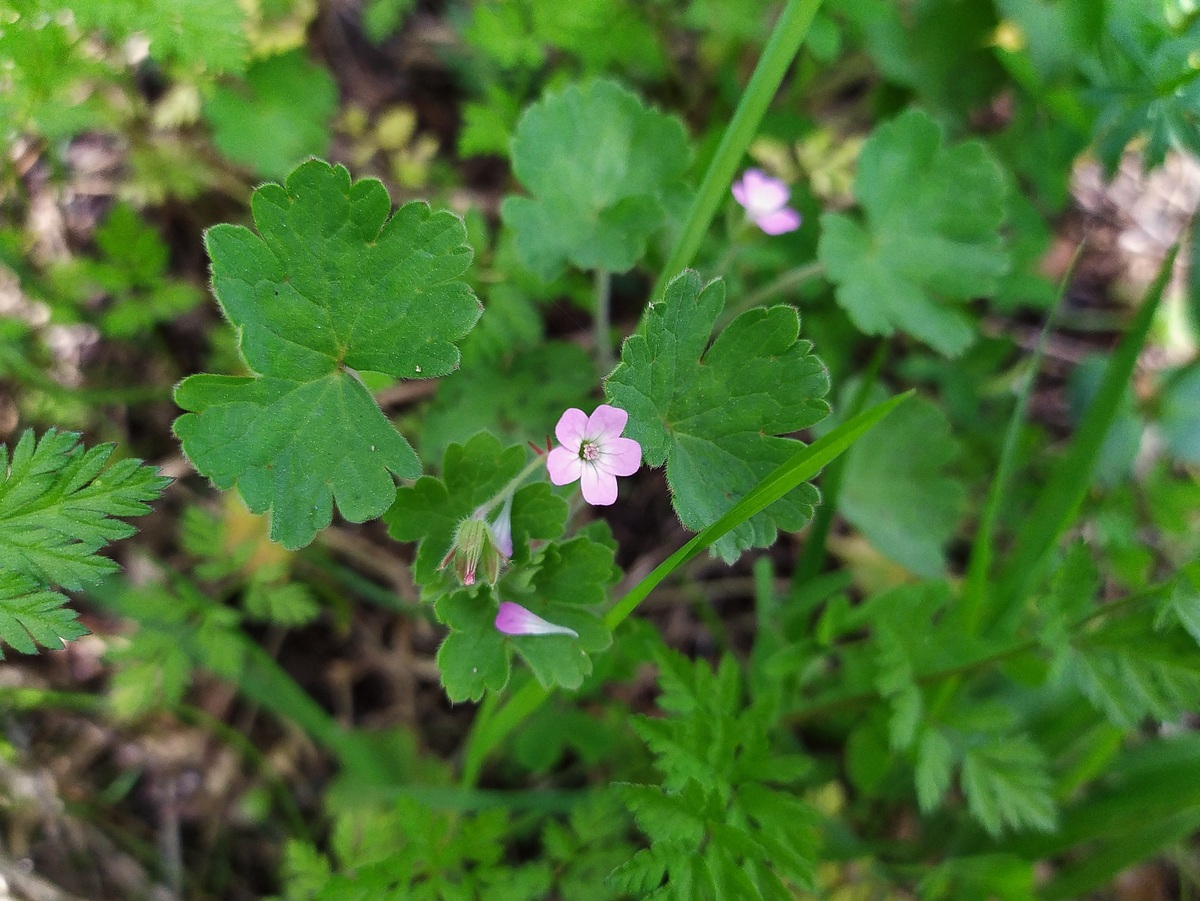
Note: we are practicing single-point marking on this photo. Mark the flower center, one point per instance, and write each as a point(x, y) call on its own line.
point(589, 451)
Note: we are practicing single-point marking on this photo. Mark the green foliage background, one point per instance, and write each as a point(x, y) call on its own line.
point(935, 632)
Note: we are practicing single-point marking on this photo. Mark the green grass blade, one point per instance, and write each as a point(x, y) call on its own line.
point(803, 466)
point(975, 589)
point(777, 56)
point(1060, 499)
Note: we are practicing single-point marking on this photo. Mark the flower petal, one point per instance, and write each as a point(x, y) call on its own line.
point(599, 487)
point(513, 619)
point(502, 529)
point(763, 193)
point(571, 428)
point(779, 222)
point(563, 465)
point(621, 456)
point(606, 423)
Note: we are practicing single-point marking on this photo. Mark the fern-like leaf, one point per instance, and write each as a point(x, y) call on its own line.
point(31, 615)
point(59, 506)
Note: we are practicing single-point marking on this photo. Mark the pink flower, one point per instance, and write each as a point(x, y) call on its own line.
point(764, 199)
point(513, 619)
point(594, 452)
point(502, 529)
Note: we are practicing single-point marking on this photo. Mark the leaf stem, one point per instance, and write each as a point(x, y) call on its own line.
point(792, 278)
point(601, 320)
point(511, 488)
point(777, 56)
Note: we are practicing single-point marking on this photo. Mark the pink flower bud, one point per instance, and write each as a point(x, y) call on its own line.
point(513, 619)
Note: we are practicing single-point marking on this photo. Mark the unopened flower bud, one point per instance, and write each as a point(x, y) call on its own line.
point(474, 549)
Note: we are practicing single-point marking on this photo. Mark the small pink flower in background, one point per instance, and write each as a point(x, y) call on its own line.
point(594, 452)
point(513, 619)
point(765, 201)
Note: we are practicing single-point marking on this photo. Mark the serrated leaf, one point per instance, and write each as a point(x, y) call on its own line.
point(472, 659)
point(277, 116)
point(472, 474)
point(1071, 594)
point(1130, 670)
point(714, 415)
point(566, 578)
point(895, 681)
point(1183, 603)
point(32, 616)
point(1008, 786)
point(598, 164)
point(930, 239)
point(1146, 83)
point(151, 673)
point(59, 506)
point(330, 285)
point(286, 604)
point(936, 757)
point(896, 490)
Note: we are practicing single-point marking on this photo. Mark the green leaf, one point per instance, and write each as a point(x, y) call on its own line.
point(472, 659)
point(59, 506)
point(598, 164)
point(603, 34)
point(488, 125)
point(567, 578)
point(1145, 82)
point(132, 272)
point(1182, 604)
point(383, 17)
point(717, 817)
point(1129, 670)
point(930, 239)
point(896, 490)
point(150, 673)
point(31, 615)
point(1179, 413)
point(896, 683)
point(277, 116)
point(713, 415)
point(200, 34)
point(936, 757)
point(286, 604)
point(519, 398)
point(332, 286)
point(1008, 786)
point(1071, 595)
point(472, 474)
